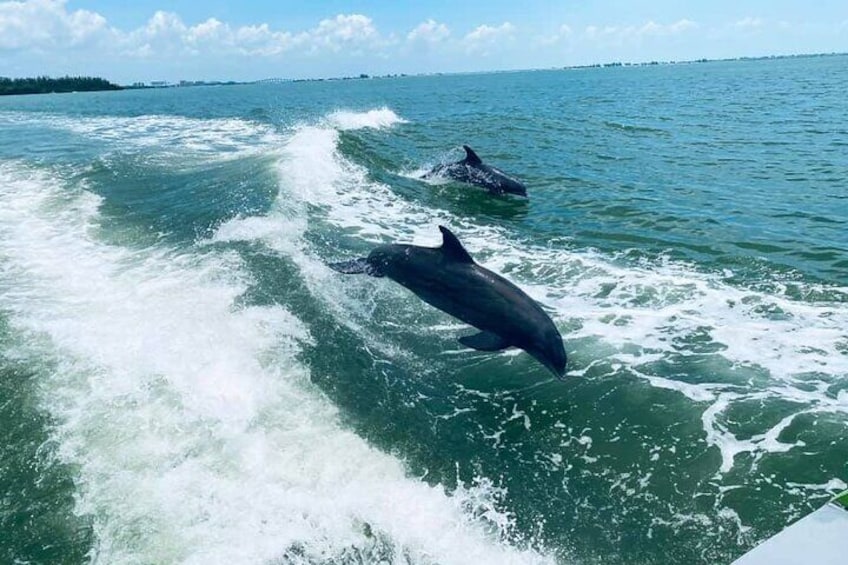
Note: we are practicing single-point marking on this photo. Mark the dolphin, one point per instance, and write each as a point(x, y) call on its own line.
point(448, 278)
point(473, 171)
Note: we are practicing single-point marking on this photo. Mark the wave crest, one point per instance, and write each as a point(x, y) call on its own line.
point(381, 118)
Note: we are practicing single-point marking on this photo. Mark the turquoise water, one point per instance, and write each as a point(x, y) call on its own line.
point(183, 380)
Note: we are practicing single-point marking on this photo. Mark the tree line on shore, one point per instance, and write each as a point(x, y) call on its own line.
point(40, 85)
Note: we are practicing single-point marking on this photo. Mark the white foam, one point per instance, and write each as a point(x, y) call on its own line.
point(730, 446)
point(833, 486)
point(197, 435)
point(173, 138)
point(314, 173)
point(637, 314)
point(379, 118)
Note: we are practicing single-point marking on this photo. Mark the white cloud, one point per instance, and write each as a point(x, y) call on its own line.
point(211, 30)
point(343, 32)
point(47, 24)
point(563, 33)
point(748, 23)
point(216, 36)
point(45, 28)
point(260, 40)
point(166, 34)
point(485, 36)
point(165, 24)
point(487, 33)
point(619, 35)
point(85, 24)
point(680, 26)
point(429, 31)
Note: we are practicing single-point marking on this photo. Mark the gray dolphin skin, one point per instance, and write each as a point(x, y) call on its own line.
point(472, 170)
point(448, 278)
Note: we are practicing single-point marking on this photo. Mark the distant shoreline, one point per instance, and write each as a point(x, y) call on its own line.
point(47, 85)
point(703, 60)
point(563, 68)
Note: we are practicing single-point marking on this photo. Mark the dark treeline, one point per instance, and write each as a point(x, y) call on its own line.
point(40, 85)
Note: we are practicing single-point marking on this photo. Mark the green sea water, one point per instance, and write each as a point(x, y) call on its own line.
point(183, 380)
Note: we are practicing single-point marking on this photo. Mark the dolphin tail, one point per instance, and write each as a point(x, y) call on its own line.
point(355, 267)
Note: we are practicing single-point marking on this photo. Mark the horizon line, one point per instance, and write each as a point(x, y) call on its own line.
point(607, 64)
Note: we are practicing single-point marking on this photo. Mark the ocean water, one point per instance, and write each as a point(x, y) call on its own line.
point(183, 380)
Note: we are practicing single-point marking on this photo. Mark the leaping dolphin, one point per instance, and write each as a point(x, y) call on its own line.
point(448, 278)
point(473, 171)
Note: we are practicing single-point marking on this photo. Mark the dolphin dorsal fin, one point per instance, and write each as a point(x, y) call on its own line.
point(471, 157)
point(452, 248)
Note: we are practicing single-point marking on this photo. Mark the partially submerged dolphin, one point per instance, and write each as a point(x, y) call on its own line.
point(473, 171)
point(449, 279)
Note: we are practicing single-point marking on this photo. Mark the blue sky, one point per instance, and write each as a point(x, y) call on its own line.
point(145, 40)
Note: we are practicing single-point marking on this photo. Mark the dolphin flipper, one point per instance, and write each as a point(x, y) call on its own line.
point(355, 267)
point(484, 341)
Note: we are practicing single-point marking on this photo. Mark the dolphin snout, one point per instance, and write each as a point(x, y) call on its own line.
point(558, 369)
point(552, 355)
